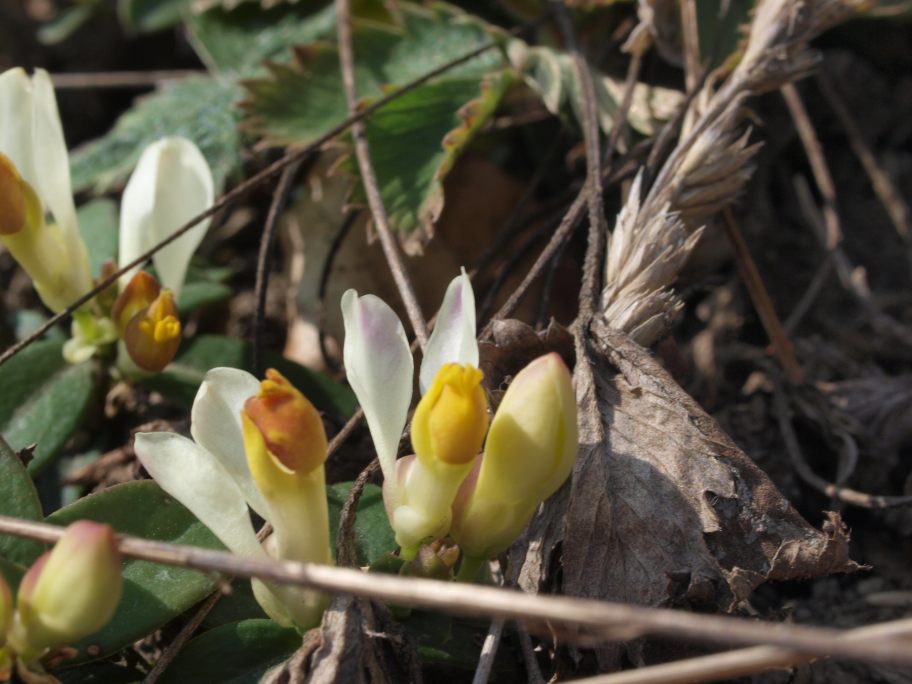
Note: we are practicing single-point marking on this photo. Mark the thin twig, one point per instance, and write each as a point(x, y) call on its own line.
point(741, 662)
point(814, 288)
point(605, 620)
point(598, 226)
point(488, 652)
point(187, 631)
point(620, 119)
point(345, 542)
point(806, 473)
point(120, 79)
point(886, 191)
point(369, 178)
point(564, 231)
point(267, 244)
point(260, 177)
point(814, 151)
point(533, 673)
point(761, 299)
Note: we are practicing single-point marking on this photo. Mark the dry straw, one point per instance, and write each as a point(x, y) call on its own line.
point(653, 237)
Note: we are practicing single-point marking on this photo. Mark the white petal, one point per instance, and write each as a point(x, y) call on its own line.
point(453, 339)
point(52, 162)
point(16, 121)
point(191, 475)
point(380, 369)
point(172, 183)
point(215, 423)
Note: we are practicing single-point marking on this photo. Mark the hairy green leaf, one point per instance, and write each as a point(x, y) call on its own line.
point(43, 399)
point(99, 224)
point(236, 653)
point(18, 499)
point(373, 534)
point(199, 109)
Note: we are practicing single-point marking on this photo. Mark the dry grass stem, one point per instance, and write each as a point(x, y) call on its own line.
point(597, 620)
point(655, 234)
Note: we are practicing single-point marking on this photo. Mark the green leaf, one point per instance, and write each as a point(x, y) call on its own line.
point(180, 380)
point(18, 499)
point(416, 138)
point(299, 102)
point(199, 109)
point(68, 21)
point(151, 15)
point(99, 224)
point(239, 40)
point(237, 653)
point(237, 605)
point(101, 672)
point(12, 573)
point(373, 535)
point(201, 293)
point(43, 399)
point(153, 594)
point(27, 321)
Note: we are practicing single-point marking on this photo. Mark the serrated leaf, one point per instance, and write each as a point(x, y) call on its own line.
point(300, 101)
point(373, 535)
point(239, 40)
point(43, 399)
point(199, 109)
point(416, 138)
point(180, 380)
point(237, 653)
point(99, 223)
point(153, 594)
point(18, 499)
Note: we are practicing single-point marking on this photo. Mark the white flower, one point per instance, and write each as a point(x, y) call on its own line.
point(209, 474)
point(380, 369)
point(31, 137)
point(171, 184)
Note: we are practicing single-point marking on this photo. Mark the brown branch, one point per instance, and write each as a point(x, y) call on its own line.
point(598, 226)
point(170, 653)
point(806, 473)
point(267, 243)
point(782, 346)
point(886, 191)
point(259, 178)
point(741, 662)
point(369, 178)
point(603, 619)
point(120, 79)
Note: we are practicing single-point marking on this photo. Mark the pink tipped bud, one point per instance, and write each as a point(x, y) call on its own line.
point(71, 591)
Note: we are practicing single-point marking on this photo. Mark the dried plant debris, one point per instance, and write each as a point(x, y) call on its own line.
point(653, 236)
point(664, 509)
point(880, 406)
point(515, 344)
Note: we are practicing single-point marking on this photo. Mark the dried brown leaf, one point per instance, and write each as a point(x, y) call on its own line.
point(663, 508)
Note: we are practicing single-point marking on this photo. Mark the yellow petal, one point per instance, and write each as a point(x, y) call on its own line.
point(152, 336)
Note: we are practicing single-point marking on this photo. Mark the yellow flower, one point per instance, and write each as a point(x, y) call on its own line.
point(448, 429)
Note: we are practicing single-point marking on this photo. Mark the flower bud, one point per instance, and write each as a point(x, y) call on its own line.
point(529, 453)
point(140, 292)
point(451, 419)
point(71, 591)
point(152, 336)
point(283, 426)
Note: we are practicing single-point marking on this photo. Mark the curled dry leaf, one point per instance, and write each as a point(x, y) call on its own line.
point(663, 508)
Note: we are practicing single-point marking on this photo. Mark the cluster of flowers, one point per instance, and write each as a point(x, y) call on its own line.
point(67, 594)
point(38, 225)
point(262, 446)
